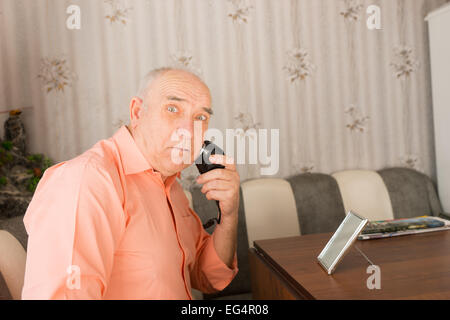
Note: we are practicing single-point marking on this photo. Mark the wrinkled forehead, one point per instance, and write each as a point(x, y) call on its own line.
point(182, 85)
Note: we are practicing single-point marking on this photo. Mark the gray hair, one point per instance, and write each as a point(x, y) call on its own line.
point(147, 80)
point(153, 75)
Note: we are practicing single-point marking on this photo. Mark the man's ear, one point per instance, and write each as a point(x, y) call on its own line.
point(136, 109)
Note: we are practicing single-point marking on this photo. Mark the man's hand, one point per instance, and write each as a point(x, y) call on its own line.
point(222, 185)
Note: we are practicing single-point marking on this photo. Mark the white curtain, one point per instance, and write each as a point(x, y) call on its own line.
point(342, 96)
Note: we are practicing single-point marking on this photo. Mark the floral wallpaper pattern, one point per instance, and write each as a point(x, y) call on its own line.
point(245, 122)
point(298, 65)
point(358, 122)
point(55, 74)
point(405, 64)
point(184, 60)
point(240, 12)
point(342, 96)
point(118, 12)
point(352, 10)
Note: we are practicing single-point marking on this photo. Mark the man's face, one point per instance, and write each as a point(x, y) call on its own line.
point(175, 101)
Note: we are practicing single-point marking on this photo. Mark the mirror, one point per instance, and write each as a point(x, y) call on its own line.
point(341, 241)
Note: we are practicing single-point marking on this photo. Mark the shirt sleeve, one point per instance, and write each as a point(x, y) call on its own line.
point(210, 273)
point(74, 222)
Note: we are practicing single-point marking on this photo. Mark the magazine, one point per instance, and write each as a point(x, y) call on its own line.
point(400, 227)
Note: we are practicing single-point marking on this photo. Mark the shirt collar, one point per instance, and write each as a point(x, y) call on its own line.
point(133, 160)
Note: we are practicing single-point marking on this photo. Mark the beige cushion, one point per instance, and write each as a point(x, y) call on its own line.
point(270, 210)
point(12, 263)
point(365, 193)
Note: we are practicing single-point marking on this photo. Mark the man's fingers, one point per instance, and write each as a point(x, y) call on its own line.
point(216, 185)
point(222, 174)
point(219, 195)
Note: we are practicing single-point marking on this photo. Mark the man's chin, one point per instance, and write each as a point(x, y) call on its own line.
point(181, 158)
point(175, 168)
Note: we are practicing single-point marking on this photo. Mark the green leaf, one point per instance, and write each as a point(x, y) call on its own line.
point(32, 184)
point(7, 145)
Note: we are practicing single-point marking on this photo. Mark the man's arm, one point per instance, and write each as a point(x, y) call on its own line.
point(223, 185)
point(216, 260)
point(74, 223)
point(225, 235)
point(210, 273)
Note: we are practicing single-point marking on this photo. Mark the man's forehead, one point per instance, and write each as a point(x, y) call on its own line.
point(181, 89)
point(180, 79)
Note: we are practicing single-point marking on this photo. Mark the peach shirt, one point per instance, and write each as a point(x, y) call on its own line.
point(104, 225)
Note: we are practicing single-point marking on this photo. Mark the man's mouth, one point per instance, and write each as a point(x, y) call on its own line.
point(181, 149)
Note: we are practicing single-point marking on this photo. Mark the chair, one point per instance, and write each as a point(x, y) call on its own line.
point(319, 202)
point(412, 193)
point(365, 193)
point(270, 210)
point(12, 263)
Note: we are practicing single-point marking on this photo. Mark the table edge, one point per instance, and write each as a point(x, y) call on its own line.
point(294, 285)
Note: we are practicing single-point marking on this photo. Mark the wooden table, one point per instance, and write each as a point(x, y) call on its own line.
point(412, 267)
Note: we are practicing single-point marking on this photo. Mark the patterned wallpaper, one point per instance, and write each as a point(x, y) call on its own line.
point(343, 96)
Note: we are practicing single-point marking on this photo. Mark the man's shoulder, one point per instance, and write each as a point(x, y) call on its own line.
point(100, 160)
point(90, 177)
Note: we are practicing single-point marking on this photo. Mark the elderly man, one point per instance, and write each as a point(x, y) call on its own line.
point(113, 223)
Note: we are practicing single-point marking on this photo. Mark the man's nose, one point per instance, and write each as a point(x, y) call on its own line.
point(185, 130)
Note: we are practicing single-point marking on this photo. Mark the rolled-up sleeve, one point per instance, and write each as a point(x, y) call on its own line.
point(74, 223)
point(210, 273)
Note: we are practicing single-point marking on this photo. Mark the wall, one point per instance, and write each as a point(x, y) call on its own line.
point(343, 96)
point(440, 69)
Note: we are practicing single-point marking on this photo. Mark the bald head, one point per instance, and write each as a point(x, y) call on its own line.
point(172, 74)
point(169, 104)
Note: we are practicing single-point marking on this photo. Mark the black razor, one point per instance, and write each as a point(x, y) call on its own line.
point(204, 165)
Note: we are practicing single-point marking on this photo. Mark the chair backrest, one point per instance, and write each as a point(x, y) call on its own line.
point(412, 193)
point(12, 263)
point(270, 209)
point(365, 193)
point(319, 202)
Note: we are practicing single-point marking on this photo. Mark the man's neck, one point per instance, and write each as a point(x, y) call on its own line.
point(164, 178)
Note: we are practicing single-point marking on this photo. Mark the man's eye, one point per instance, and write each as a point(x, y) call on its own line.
point(172, 109)
point(202, 117)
